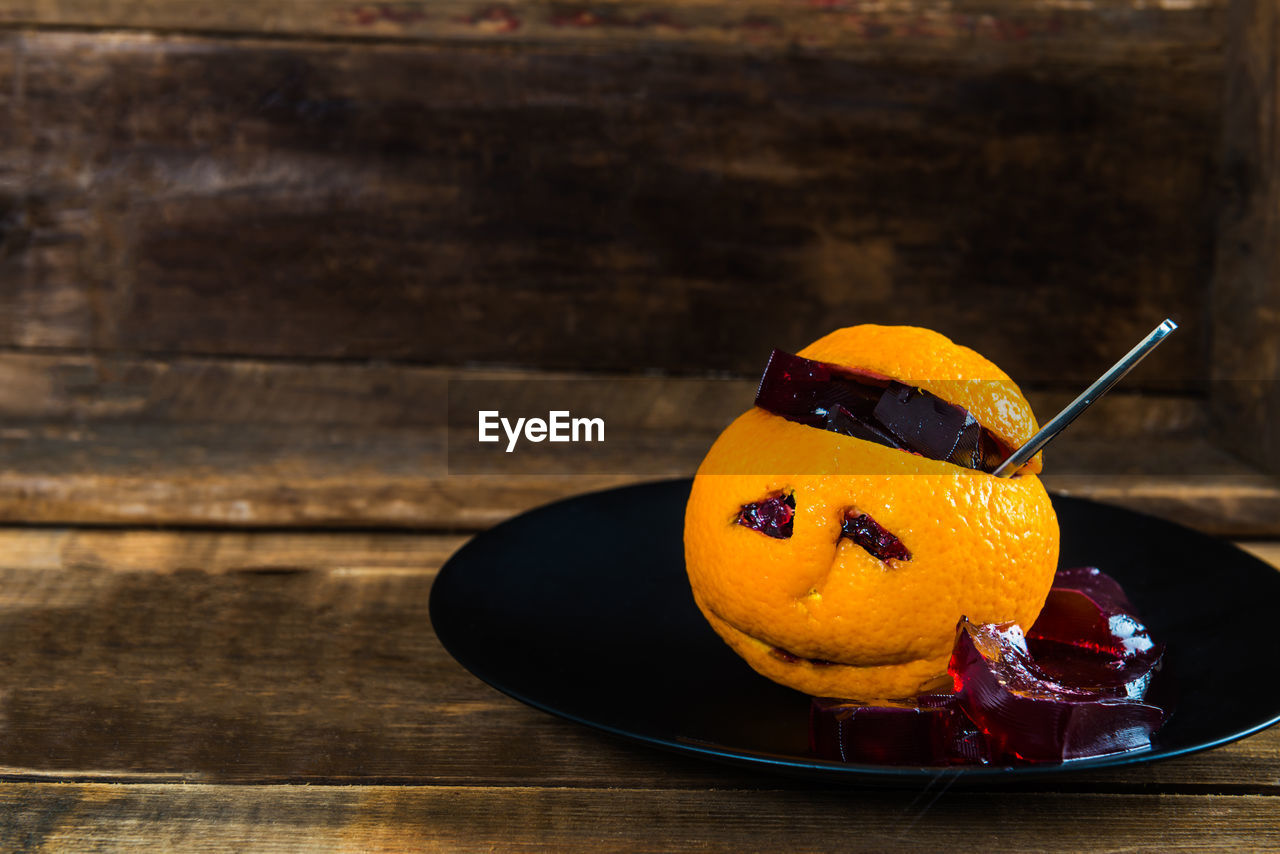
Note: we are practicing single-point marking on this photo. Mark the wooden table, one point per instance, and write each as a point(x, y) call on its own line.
point(284, 691)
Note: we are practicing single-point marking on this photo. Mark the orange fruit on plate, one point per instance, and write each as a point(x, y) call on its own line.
point(825, 613)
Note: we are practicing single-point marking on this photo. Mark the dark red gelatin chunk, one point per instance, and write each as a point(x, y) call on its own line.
point(929, 730)
point(1088, 608)
point(1071, 689)
point(772, 516)
point(1028, 715)
point(869, 534)
point(1088, 634)
point(823, 396)
point(933, 428)
point(877, 409)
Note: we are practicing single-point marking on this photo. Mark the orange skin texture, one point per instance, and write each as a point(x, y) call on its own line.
point(981, 546)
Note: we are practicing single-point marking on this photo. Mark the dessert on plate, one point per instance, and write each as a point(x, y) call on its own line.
point(847, 538)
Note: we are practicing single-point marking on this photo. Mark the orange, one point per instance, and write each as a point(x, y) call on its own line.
point(818, 612)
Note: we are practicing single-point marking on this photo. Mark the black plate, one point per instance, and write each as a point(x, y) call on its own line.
point(581, 608)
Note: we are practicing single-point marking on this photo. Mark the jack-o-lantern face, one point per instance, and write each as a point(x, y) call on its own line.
point(840, 565)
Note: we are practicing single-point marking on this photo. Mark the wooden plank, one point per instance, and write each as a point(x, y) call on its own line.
point(251, 657)
point(1054, 28)
point(257, 657)
point(94, 388)
point(1246, 284)
point(452, 204)
point(363, 818)
point(1227, 505)
point(346, 554)
point(135, 441)
point(212, 479)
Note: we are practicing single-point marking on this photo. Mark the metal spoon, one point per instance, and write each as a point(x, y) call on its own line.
point(1100, 387)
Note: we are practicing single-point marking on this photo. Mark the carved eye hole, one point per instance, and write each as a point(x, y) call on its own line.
point(869, 534)
point(771, 516)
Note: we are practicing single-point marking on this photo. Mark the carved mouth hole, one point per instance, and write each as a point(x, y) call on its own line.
point(791, 658)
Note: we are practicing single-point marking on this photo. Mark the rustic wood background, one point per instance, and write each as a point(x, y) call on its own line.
point(246, 248)
point(243, 250)
point(174, 690)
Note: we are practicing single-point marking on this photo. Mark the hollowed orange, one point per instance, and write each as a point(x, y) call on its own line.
point(816, 611)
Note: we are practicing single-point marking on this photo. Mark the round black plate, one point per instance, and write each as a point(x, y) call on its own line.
point(581, 608)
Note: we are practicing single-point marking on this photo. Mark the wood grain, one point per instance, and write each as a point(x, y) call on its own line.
point(1114, 27)
point(610, 210)
point(96, 388)
point(1246, 344)
point(376, 819)
point(188, 441)
point(258, 657)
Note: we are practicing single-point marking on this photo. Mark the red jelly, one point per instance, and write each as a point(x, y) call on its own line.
point(1088, 634)
point(930, 730)
point(877, 409)
point(1027, 715)
point(1087, 608)
point(772, 516)
point(869, 534)
point(1073, 688)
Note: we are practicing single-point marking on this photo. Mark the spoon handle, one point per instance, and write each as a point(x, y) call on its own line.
point(1086, 399)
